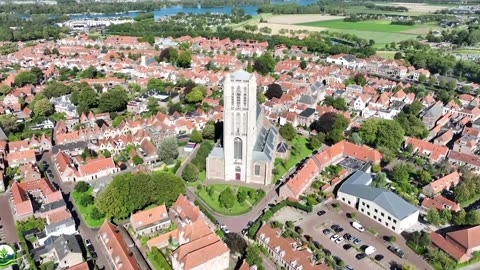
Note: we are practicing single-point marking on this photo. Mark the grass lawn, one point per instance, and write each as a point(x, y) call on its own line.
point(158, 260)
point(85, 211)
point(466, 51)
point(468, 202)
point(201, 178)
point(386, 54)
point(237, 209)
point(373, 26)
point(299, 151)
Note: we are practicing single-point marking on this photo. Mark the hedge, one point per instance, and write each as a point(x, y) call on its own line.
point(206, 212)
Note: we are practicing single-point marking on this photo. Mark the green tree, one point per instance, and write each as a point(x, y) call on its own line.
point(401, 173)
point(168, 150)
point(472, 217)
point(184, 59)
point(227, 198)
point(195, 96)
point(56, 89)
point(113, 101)
point(264, 64)
point(261, 98)
point(424, 177)
point(81, 187)
point(433, 217)
point(9, 123)
point(253, 256)
point(288, 132)
point(85, 200)
point(242, 196)
point(274, 90)
point(43, 107)
point(129, 192)
point(25, 77)
point(196, 136)
point(303, 64)
point(137, 160)
point(96, 214)
point(152, 105)
point(380, 180)
point(190, 173)
point(422, 78)
point(208, 132)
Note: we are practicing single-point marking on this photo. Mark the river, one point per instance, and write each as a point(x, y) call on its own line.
point(250, 10)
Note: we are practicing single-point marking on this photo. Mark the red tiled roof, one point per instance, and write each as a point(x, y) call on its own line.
point(450, 248)
point(473, 160)
point(117, 248)
point(148, 217)
point(436, 152)
point(439, 202)
point(445, 182)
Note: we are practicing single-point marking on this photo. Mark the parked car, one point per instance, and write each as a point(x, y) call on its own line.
point(321, 213)
point(358, 226)
point(379, 257)
point(370, 250)
point(397, 251)
point(360, 256)
point(339, 240)
point(327, 231)
point(334, 237)
point(347, 236)
point(357, 241)
point(88, 242)
point(347, 246)
point(348, 267)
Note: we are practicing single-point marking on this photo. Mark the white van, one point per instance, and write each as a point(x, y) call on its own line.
point(358, 226)
point(370, 250)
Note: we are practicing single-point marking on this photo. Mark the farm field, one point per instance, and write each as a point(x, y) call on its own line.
point(373, 26)
point(379, 30)
point(301, 18)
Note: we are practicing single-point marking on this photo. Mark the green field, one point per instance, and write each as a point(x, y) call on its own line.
point(158, 260)
point(381, 31)
point(372, 26)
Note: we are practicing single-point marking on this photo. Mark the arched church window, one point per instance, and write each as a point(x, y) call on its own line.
point(239, 94)
point(237, 148)
point(245, 96)
point(238, 122)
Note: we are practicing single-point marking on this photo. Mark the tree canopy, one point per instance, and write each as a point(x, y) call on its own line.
point(274, 90)
point(264, 64)
point(382, 133)
point(288, 132)
point(115, 100)
point(168, 150)
point(128, 193)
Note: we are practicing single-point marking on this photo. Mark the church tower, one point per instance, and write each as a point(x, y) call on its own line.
point(239, 125)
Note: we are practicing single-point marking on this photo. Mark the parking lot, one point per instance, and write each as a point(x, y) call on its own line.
point(313, 225)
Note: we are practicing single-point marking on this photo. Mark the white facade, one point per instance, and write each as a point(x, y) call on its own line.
point(240, 124)
point(378, 213)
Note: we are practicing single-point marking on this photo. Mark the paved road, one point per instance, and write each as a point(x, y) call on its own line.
point(7, 220)
point(85, 231)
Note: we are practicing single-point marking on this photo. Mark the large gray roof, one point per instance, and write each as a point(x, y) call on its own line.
point(241, 75)
point(358, 185)
point(66, 244)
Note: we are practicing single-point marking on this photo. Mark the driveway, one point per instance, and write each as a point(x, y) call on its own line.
point(85, 231)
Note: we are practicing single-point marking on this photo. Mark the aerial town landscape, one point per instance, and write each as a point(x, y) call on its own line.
point(240, 135)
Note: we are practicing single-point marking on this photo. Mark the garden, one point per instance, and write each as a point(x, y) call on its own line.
point(84, 201)
point(230, 200)
point(158, 260)
point(299, 151)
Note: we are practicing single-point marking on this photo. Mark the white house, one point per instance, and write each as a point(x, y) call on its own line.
point(383, 206)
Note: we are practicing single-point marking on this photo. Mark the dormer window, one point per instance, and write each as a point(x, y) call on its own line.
point(262, 236)
point(277, 249)
point(293, 263)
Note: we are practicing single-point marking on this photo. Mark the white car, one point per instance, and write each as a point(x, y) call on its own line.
point(334, 237)
point(339, 240)
point(358, 226)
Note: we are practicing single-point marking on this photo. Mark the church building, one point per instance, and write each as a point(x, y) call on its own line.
point(247, 153)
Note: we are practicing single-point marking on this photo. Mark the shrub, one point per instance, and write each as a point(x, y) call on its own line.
point(81, 187)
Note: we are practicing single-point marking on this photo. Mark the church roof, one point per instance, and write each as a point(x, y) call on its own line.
point(241, 75)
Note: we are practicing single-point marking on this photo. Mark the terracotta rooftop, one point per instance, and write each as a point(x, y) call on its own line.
point(439, 202)
point(117, 248)
point(436, 152)
point(149, 217)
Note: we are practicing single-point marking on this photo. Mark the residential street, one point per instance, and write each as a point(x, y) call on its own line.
point(7, 220)
point(85, 231)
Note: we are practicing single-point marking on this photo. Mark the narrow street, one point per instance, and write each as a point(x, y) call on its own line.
point(85, 231)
